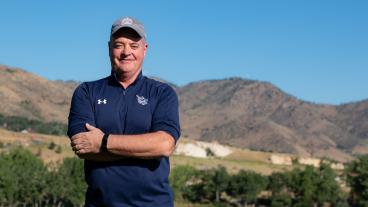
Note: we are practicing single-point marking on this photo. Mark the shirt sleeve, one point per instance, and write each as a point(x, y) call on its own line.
point(81, 111)
point(166, 114)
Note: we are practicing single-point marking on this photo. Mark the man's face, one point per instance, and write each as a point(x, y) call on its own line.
point(127, 51)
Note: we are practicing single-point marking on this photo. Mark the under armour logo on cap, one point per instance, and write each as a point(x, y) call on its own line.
point(126, 20)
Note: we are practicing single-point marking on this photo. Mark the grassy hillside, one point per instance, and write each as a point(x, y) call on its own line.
point(55, 148)
point(47, 147)
point(51, 148)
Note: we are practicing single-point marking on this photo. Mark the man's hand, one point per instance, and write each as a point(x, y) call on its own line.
point(87, 142)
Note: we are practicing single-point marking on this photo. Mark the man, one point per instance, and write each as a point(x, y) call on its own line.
point(125, 126)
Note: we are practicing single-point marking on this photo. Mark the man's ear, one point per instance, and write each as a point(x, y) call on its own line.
point(108, 46)
point(145, 49)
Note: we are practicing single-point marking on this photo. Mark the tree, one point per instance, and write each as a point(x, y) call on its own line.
point(66, 183)
point(207, 185)
point(303, 185)
point(220, 179)
point(315, 187)
point(180, 178)
point(58, 149)
point(26, 181)
point(279, 185)
point(357, 177)
point(21, 178)
point(328, 190)
point(245, 186)
point(16, 123)
point(51, 146)
point(280, 200)
point(209, 152)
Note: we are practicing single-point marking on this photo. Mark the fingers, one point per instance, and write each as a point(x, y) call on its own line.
point(86, 142)
point(76, 145)
point(75, 142)
point(77, 136)
point(72, 145)
point(79, 149)
point(90, 127)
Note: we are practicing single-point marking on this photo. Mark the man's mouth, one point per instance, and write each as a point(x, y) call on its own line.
point(125, 60)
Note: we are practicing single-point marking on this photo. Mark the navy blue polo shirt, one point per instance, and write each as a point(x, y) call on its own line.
point(145, 106)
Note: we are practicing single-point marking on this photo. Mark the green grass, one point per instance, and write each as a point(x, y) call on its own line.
point(180, 204)
point(232, 165)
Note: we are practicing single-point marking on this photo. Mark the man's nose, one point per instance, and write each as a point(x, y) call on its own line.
point(126, 51)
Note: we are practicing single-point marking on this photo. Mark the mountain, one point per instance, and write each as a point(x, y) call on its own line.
point(28, 95)
point(237, 112)
point(258, 115)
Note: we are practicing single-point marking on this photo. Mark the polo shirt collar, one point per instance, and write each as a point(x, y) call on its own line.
point(114, 81)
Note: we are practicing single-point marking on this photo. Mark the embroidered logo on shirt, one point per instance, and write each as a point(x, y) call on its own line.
point(104, 101)
point(141, 100)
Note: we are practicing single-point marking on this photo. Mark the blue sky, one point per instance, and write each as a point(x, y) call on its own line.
point(315, 50)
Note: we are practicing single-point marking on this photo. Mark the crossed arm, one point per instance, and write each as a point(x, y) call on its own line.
point(145, 146)
point(156, 144)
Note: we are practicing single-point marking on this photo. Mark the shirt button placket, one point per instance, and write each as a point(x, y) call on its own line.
point(124, 109)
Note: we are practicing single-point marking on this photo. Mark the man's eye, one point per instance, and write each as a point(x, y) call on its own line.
point(118, 46)
point(134, 46)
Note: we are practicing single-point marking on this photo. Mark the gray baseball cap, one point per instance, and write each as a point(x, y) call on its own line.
point(128, 22)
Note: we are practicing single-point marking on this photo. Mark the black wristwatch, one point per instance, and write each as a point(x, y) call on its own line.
point(103, 147)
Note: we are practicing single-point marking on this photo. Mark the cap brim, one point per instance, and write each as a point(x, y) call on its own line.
point(136, 29)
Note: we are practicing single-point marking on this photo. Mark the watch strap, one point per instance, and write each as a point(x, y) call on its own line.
point(103, 147)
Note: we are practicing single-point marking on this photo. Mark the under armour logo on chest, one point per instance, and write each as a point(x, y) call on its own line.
point(99, 101)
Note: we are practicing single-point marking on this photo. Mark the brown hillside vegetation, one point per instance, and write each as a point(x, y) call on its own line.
point(237, 112)
point(27, 95)
point(39, 144)
point(260, 116)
